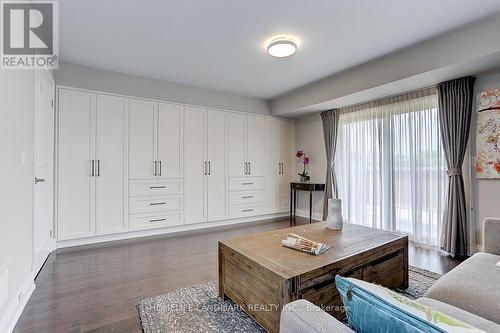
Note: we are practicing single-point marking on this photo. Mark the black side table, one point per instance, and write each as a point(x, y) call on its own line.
point(294, 187)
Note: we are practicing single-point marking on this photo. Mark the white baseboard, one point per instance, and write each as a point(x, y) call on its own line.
point(9, 318)
point(305, 213)
point(164, 231)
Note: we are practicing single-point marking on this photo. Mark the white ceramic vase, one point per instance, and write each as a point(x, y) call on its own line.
point(334, 219)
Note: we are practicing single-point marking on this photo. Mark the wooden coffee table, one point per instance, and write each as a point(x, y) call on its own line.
point(261, 276)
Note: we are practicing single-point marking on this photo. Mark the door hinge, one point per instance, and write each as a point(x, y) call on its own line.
point(51, 234)
point(52, 103)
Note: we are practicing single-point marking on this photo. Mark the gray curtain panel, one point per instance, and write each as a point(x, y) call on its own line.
point(330, 120)
point(455, 114)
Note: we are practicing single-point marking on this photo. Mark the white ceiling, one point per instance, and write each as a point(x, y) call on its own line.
point(220, 44)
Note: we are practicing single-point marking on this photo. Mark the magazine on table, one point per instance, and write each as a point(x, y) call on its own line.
point(300, 243)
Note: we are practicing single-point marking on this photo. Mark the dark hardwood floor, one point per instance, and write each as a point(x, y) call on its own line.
point(95, 288)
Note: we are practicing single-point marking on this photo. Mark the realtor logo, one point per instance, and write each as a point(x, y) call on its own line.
point(29, 34)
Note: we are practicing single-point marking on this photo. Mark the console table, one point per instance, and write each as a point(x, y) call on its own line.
point(310, 187)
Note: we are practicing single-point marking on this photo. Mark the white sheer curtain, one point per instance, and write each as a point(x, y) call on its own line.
point(390, 166)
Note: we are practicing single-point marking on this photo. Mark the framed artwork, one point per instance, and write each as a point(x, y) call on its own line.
point(488, 134)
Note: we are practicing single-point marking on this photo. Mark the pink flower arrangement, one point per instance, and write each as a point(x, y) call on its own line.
point(305, 161)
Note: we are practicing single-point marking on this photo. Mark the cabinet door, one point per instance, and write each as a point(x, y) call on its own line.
point(236, 135)
point(255, 145)
point(111, 154)
point(272, 158)
point(194, 165)
point(216, 156)
point(76, 186)
point(286, 157)
point(170, 140)
point(142, 139)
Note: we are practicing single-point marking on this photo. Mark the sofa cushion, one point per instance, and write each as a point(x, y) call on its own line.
point(304, 317)
point(473, 286)
point(466, 317)
point(372, 308)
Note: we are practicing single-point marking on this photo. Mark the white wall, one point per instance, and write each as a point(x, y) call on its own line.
point(309, 136)
point(16, 194)
point(485, 192)
point(85, 77)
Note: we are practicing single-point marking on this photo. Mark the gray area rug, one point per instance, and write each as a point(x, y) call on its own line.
point(199, 309)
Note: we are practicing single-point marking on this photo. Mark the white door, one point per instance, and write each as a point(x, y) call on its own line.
point(43, 203)
point(76, 186)
point(272, 167)
point(286, 156)
point(236, 129)
point(195, 166)
point(142, 149)
point(255, 145)
point(170, 136)
point(216, 157)
point(111, 164)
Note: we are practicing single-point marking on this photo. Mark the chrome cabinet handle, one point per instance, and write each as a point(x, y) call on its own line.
point(91, 168)
point(248, 183)
point(154, 187)
point(157, 220)
point(247, 210)
point(98, 168)
point(205, 168)
point(159, 168)
point(249, 168)
point(39, 180)
point(245, 172)
point(154, 172)
point(247, 196)
point(209, 169)
point(157, 203)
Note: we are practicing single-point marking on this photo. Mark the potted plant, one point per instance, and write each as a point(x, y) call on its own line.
point(304, 177)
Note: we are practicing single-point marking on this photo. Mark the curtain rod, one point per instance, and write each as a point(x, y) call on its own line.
point(385, 98)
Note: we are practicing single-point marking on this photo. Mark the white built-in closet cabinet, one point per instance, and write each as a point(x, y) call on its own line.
point(126, 164)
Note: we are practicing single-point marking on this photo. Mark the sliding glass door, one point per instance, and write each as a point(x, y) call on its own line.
point(390, 166)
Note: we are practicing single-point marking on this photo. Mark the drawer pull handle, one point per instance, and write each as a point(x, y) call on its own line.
point(247, 197)
point(246, 183)
point(157, 220)
point(247, 210)
point(157, 203)
point(153, 187)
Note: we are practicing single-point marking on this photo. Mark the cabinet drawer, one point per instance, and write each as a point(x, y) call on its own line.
point(243, 197)
point(156, 203)
point(156, 220)
point(245, 210)
point(326, 296)
point(155, 187)
point(387, 271)
point(247, 183)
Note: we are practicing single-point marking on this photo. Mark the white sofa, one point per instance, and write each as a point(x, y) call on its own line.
point(470, 292)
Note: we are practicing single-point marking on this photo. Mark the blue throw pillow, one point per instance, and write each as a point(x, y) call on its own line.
point(371, 308)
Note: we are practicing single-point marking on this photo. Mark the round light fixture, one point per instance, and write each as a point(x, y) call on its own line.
point(281, 47)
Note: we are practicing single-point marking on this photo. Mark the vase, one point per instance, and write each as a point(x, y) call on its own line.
point(334, 219)
point(305, 179)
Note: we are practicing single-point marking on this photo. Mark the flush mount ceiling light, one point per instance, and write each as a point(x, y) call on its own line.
point(281, 47)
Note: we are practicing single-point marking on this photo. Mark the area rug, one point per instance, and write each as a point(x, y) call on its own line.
point(199, 309)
